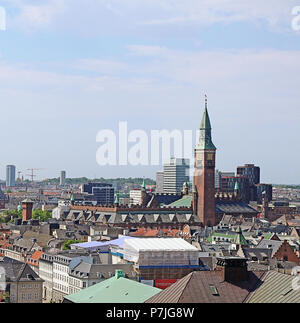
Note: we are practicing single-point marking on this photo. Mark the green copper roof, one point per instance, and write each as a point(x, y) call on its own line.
point(186, 201)
point(144, 185)
point(117, 200)
point(72, 198)
point(268, 236)
point(115, 290)
point(205, 140)
point(221, 235)
point(205, 124)
point(239, 239)
point(236, 186)
point(206, 145)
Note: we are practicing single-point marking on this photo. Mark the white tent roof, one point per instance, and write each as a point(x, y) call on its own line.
point(159, 244)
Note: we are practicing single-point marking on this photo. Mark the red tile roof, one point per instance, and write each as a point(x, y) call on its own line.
point(143, 232)
point(37, 255)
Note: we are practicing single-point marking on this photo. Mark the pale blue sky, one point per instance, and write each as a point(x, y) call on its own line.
point(69, 68)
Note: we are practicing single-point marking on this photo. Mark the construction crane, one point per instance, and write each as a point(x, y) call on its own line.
point(32, 175)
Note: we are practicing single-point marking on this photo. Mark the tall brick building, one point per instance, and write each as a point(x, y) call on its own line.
point(204, 175)
point(27, 206)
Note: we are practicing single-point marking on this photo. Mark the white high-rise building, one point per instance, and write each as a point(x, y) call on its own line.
point(62, 181)
point(159, 183)
point(10, 175)
point(135, 197)
point(176, 173)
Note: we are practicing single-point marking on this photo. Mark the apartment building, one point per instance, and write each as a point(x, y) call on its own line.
point(72, 271)
point(22, 284)
point(46, 273)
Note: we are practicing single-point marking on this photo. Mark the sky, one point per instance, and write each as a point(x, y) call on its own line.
point(71, 68)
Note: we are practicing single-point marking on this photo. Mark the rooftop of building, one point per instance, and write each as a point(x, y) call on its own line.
point(157, 244)
point(18, 271)
point(208, 287)
point(114, 290)
point(286, 290)
point(94, 244)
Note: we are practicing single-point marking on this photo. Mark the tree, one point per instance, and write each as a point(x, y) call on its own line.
point(42, 216)
point(67, 244)
point(8, 214)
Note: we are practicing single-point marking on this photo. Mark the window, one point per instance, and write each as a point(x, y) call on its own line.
point(214, 290)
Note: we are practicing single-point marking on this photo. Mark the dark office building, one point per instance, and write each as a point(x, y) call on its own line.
point(264, 189)
point(102, 193)
point(226, 183)
point(229, 184)
point(253, 173)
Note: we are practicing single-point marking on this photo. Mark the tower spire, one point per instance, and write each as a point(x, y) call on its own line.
point(205, 140)
point(205, 124)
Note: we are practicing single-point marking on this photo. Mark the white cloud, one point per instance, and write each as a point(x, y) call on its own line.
point(266, 78)
point(32, 15)
point(105, 16)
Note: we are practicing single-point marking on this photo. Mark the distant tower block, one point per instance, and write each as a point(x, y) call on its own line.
point(10, 175)
point(62, 178)
point(27, 206)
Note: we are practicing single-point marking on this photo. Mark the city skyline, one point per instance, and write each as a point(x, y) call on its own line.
point(60, 81)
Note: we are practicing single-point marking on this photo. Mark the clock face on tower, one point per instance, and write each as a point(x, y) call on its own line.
point(210, 157)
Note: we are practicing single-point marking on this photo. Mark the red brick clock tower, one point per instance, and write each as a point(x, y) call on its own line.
point(204, 174)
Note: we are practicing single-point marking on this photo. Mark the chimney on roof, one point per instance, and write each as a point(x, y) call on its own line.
point(234, 269)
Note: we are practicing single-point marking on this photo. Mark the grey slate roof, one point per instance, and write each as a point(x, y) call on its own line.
point(18, 271)
point(259, 253)
point(94, 271)
point(276, 288)
point(274, 245)
point(233, 207)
